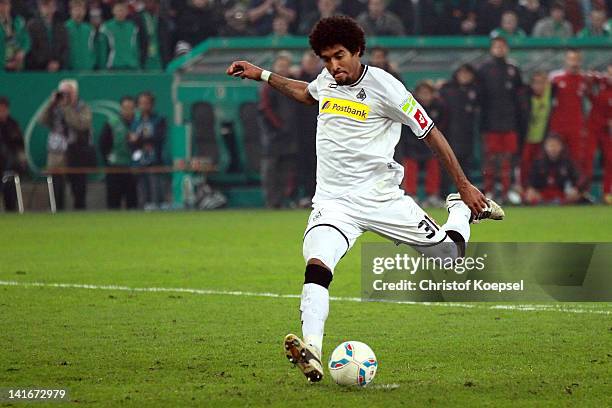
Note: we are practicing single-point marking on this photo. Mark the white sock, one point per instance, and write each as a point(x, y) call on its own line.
point(459, 220)
point(314, 308)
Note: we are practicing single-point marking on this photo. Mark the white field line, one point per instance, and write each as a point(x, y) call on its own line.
point(383, 386)
point(518, 307)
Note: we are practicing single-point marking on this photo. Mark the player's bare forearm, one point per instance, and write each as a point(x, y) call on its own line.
point(292, 88)
point(442, 150)
point(438, 144)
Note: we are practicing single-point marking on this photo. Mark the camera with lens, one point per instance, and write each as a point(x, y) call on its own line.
point(60, 95)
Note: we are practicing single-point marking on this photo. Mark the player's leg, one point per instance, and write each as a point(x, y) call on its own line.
point(490, 160)
point(314, 304)
point(432, 182)
point(329, 235)
point(572, 138)
point(457, 229)
point(457, 226)
point(405, 222)
point(510, 148)
point(323, 248)
point(411, 175)
point(588, 156)
point(529, 155)
point(605, 143)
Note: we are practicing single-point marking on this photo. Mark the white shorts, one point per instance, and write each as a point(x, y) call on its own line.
point(334, 226)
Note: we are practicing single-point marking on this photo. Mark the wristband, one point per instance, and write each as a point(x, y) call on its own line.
point(265, 75)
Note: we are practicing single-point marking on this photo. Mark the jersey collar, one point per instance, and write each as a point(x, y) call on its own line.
point(363, 74)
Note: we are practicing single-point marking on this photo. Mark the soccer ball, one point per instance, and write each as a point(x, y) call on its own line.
point(353, 363)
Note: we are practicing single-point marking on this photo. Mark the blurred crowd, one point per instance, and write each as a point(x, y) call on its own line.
point(536, 140)
point(533, 140)
point(52, 35)
point(131, 146)
point(530, 140)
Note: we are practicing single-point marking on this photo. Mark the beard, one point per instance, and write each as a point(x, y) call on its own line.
point(345, 81)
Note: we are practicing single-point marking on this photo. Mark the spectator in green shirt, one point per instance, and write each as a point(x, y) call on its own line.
point(14, 39)
point(117, 145)
point(81, 37)
point(598, 28)
point(509, 27)
point(119, 41)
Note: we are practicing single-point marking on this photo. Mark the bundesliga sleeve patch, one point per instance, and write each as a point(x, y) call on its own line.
point(343, 107)
point(408, 105)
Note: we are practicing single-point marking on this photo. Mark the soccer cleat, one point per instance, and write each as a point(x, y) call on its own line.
point(305, 357)
point(493, 211)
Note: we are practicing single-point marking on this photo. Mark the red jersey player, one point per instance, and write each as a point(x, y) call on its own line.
point(600, 133)
point(570, 89)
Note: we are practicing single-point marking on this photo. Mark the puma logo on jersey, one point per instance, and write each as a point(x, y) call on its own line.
point(343, 107)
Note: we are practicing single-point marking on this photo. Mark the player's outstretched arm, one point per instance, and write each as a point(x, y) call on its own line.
point(470, 195)
point(297, 90)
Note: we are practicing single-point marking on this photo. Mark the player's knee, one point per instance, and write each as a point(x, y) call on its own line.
point(316, 261)
point(325, 246)
point(318, 273)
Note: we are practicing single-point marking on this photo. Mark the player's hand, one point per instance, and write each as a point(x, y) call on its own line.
point(474, 199)
point(244, 69)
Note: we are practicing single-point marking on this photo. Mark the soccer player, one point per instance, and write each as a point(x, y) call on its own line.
point(499, 84)
point(361, 110)
point(600, 133)
point(571, 87)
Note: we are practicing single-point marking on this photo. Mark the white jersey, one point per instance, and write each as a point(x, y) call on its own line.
point(358, 127)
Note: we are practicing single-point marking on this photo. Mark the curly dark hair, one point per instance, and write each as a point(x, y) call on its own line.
point(336, 30)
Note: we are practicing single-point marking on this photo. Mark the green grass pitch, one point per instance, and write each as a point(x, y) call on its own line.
point(117, 347)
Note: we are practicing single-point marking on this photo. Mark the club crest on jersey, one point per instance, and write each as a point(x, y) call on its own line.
point(343, 107)
point(420, 118)
point(361, 95)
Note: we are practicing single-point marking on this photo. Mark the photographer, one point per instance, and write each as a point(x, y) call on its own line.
point(69, 121)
